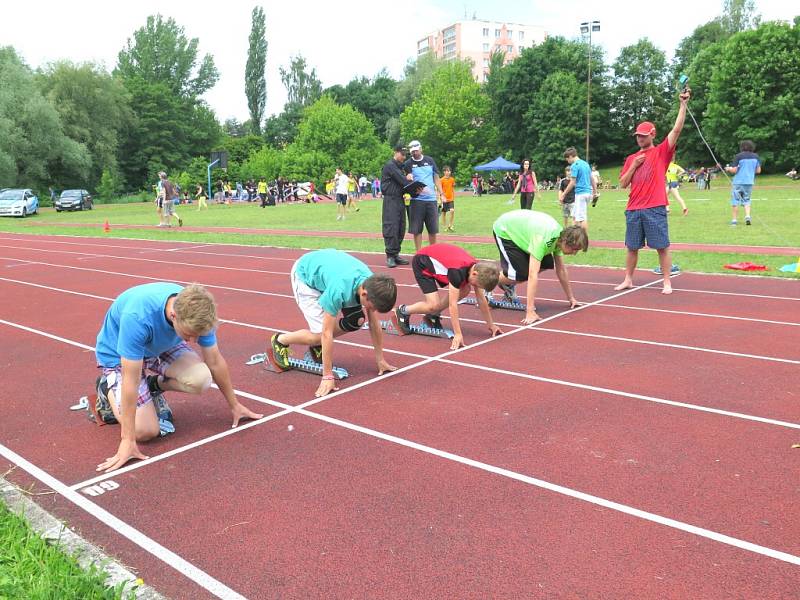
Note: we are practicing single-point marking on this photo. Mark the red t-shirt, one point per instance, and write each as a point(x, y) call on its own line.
point(447, 264)
point(647, 185)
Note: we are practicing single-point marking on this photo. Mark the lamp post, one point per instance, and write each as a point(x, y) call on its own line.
point(587, 28)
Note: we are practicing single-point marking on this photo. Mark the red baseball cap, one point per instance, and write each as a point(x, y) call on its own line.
point(646, 128)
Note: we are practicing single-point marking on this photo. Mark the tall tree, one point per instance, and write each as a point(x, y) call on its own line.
point(702, 37)
point(302, 87)
point(375, 97)
point(415, 74)
point(739, 15)
point(255, 81)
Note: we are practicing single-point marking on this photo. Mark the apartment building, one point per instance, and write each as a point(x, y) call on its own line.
point(476, 40)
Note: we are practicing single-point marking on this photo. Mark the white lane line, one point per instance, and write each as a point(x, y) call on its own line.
point(47, 335)
point(666, 345)
point(181, 565)
point(569, 492)
point(699, 314)
point(88, 242)
point(622, 394)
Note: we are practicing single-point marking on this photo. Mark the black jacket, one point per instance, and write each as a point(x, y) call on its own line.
point(393, 179)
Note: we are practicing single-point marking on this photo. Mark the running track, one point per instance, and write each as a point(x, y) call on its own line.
point(636, 447)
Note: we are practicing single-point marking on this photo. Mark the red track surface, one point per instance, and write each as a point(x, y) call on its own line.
point(477, 239)
point(376, 492)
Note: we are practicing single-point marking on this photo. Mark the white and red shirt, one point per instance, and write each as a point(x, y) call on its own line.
point(647, 184)
point(447, 264)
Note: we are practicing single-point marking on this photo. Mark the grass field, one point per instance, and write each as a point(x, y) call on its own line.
point(776, 213)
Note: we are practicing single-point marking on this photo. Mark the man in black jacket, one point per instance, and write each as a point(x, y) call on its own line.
point(393, 178)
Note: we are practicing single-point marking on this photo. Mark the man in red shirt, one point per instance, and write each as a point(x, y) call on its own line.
point(446, 265)
point(646, 212)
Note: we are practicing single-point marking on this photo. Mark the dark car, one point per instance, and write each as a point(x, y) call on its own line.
point(74, 200)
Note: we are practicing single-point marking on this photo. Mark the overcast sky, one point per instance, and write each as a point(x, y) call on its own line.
point(340, 39)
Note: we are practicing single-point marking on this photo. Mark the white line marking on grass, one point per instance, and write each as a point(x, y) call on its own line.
point(699, 314)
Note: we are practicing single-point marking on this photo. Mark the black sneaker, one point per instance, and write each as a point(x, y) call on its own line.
point(102, 406)
point(747, 220)
point(280, 353)
point(400, 260)
point(433, 321)
point(403, 319)
point(314, 354)
point(391, 262)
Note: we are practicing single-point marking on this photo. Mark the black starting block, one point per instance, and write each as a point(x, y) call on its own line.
point(497, 303)
point(307, 365)
point(391, 328)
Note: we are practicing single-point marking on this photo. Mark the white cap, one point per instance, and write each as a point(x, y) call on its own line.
point(415, 145)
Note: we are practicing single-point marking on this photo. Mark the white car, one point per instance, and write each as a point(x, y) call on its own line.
point(18, 203)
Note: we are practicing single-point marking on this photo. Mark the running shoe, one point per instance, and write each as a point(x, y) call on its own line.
point(403, 319)
point(162, 409)
point(433, 321)
point(747, 220)
point(314, 354)
point(102, 407)
point(180, 222)
point(280, 353)
point(509, 293)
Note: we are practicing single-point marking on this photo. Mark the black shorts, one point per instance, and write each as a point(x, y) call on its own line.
point(427, 284)
point(423, 212)
point(515, 262)
point(341, 198)
point(448, 206)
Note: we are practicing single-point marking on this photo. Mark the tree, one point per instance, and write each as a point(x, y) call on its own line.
point(702, 37)
point(376, 98)
point(302, 87)
point(452, 118)
point(255, 81)
point(754, 94)
point(160, 53)
point(415, 74)
point(280, 130)
point(34, 147)
point(94, 109)
point(234, 128)
point(739, 15)
point(641, 88)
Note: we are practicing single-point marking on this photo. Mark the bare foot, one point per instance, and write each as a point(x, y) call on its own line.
point(667, 288)
point(625, 285)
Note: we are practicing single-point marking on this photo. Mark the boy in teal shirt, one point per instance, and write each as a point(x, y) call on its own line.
point(530, 241)
point(326, 283)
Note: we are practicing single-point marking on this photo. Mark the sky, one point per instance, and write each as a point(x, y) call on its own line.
point(341, 40)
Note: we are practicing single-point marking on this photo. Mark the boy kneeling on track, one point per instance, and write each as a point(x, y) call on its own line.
point(147, 328)
point(446, 265)
point(530, 241)
point(325, 283)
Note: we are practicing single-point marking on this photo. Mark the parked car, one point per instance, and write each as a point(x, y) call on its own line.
point(18, 203)
point(74, 200)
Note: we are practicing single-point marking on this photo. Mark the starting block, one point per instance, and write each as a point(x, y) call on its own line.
point(307, 365)
point(497, 303)
point(391, 328)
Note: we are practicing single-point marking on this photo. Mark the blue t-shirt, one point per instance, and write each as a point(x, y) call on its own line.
point(423, 170)
point(334, 273)
point(748, 163)
point(136, 326)
point(582, 173)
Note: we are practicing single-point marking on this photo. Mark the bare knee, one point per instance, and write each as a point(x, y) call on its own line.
point(147, 432)
point(195, 379)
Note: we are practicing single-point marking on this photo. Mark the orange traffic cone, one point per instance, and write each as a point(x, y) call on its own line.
point(106, 227)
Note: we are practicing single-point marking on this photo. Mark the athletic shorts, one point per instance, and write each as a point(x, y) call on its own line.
point(579, 207)
point(673, 185)
point(341, 198)
point(168, 208)
point(741, 194)
point(423, 212)
point(427, 284)
point(448, 206)
point(515, 262)
point(566, 209)
point(647, 225)
point(157, 365)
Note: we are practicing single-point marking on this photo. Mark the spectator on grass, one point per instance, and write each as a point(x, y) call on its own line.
point(744, 167)
point(580, 178)
point(168, 196)
point(566, 199)
point(526, 185)
point(674, 172)
point(149, 328)
point(393, 211)
point(352, 192)
point(363, 184)
point(376, 187)
point(262, 191)
point(423, 207)
point(341, 185)
point(646, 213)
point(201, 198)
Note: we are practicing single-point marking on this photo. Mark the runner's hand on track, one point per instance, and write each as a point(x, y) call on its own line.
point(127, 450)
point(530, 317)
point(326, 386)
point(383, 367)
point(458, 341)
point(573, 303)
point(495, 330)
point(242, 412)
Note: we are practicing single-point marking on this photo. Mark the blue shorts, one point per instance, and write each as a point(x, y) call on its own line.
point(673, 185)
point(647, 225)
point(341, 198)
point(741, 194)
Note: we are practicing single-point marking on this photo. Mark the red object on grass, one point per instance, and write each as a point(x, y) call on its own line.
point(106, 227)
point(746, 266)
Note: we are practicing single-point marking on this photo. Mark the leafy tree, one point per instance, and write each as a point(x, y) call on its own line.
point(110, 184)
point(280, 130)
point(234, 128)
point(94, 109)
point(451, 117)
point(302, 87)
point(266, 162)
point(34, 147)
point(239, 149)
point(739, 15)
point(160, 53)
point(702, 37)
point(255, 81)
point(415, 74)
point(376, 98)
point(755, 94)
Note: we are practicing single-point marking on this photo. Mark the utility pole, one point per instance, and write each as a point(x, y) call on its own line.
point(586, 29)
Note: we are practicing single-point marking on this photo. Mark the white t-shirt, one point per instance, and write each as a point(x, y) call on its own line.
point(363, 181)
point(342, 183)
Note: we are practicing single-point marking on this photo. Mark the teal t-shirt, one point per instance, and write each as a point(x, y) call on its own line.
point(334, 273)
point(532, 231)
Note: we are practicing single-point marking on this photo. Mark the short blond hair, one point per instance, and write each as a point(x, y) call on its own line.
point(196, 309)
point(488, 275)
point(575, 237)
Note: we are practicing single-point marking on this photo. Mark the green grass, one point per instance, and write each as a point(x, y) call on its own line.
point(776, 208)
point(33, 569)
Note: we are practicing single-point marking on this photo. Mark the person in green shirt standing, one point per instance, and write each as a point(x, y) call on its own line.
point(674, 172)
point(530, 241)
point(335, 292)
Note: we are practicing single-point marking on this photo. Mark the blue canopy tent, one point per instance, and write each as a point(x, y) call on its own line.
point(498, 164)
